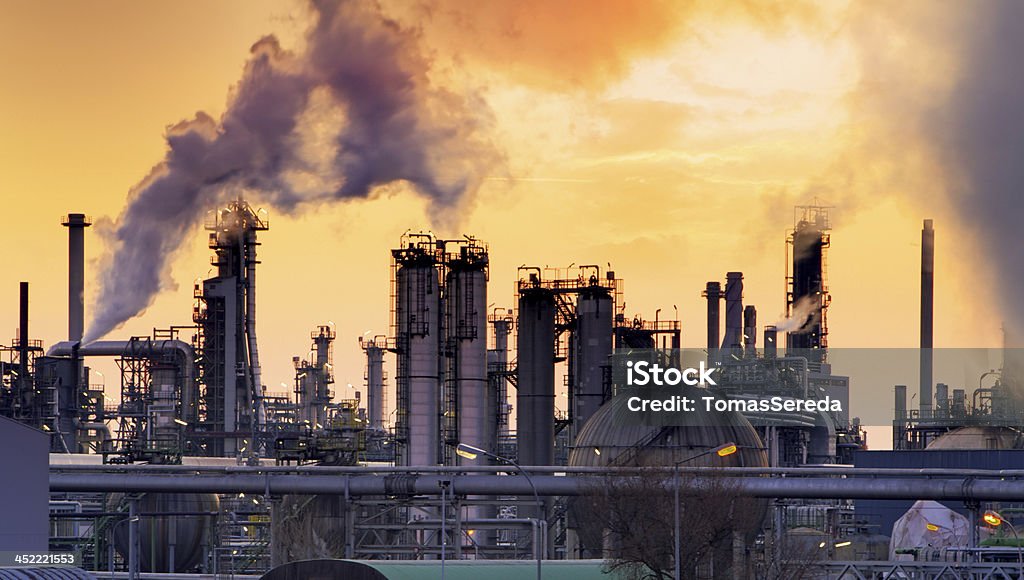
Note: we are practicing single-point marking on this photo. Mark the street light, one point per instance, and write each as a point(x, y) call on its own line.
point(723, 450)
point(470, 452)
point(994, 519)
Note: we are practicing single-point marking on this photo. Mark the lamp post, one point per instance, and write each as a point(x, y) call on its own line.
point(995, 520)
point(470, 452)
point(722, 451)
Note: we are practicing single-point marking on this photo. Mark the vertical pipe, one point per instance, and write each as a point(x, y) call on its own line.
point(76, 224)
point(927, 305)
point(23, 339)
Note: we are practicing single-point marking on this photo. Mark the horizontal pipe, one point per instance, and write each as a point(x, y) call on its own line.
point(953, 488)
point(836, 471)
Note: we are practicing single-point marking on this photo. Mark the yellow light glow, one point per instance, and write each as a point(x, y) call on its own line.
point(931, 527)
point(843, 544)
point(597, 451)
point(465, 453)
point(992, 518)
point(726, 450)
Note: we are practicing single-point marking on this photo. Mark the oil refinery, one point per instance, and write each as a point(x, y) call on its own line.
point(196, 468)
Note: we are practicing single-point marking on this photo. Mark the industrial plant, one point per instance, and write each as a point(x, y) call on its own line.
point(467, 455)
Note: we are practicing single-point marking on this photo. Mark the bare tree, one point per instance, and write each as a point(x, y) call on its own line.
point(630, 521)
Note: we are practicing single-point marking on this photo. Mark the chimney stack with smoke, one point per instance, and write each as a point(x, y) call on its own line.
point(76, 224)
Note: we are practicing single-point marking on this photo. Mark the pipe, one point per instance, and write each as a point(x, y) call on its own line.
point(927, 314)
point(959, 488)
point(182, 350)
point(76, 224)
point(23, 377)
point(834, 470)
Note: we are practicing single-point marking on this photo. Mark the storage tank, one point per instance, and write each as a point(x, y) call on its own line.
point(167, 543)
point(979, 437)
point(614, 436)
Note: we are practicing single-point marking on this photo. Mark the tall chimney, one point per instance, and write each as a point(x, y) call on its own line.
point(927, 310)
point(713, 292)
point(733, 341)
point(23, 337)
point(76, 224)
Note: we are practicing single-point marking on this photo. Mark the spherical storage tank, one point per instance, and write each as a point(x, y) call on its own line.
point(164, 534)
point(617, 437)
point(979, 437)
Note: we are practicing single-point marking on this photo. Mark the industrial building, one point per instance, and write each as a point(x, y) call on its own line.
point(198, 467)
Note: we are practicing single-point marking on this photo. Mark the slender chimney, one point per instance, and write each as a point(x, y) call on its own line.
point(927, 311)
point(76, 224)
point(733, 341)
point(23, 337)
point(713, 292)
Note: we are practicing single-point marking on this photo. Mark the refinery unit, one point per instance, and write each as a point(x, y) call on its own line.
point(192, 398)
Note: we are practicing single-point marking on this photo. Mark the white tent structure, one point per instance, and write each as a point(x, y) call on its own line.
point(929, 524)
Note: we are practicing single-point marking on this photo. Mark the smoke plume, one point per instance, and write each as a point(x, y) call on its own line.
point(983, 136)
point(354, 110)
point(805, 312)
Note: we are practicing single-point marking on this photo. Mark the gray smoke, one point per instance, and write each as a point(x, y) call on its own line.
point(982, 134)
point(353, 111)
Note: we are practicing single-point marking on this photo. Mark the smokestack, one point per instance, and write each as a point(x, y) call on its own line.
point(771, 337)
point(713, 292)
point(76, 224)
point(750, 331)
point(732, 342)
point(927, 310)
point(23, 336)
point(900, 395)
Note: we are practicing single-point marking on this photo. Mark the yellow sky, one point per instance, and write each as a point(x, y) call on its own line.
point(676, 155)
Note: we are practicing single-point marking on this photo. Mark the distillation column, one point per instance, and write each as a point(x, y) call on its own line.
point(466, 329)
point(417, 330)
point(535, 398)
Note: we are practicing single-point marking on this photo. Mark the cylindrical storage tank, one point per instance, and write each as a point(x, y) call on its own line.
point(466, 304)
point(593, 347)
point(418, 341)
point(167, 542)
point(979, 437)
point(535, 395)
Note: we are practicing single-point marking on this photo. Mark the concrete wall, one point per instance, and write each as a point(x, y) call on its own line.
point(24, 488)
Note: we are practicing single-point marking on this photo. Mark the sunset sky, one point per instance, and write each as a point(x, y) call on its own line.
point(669, 139)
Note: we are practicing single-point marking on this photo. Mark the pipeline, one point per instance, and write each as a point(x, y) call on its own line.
point(949, 488)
